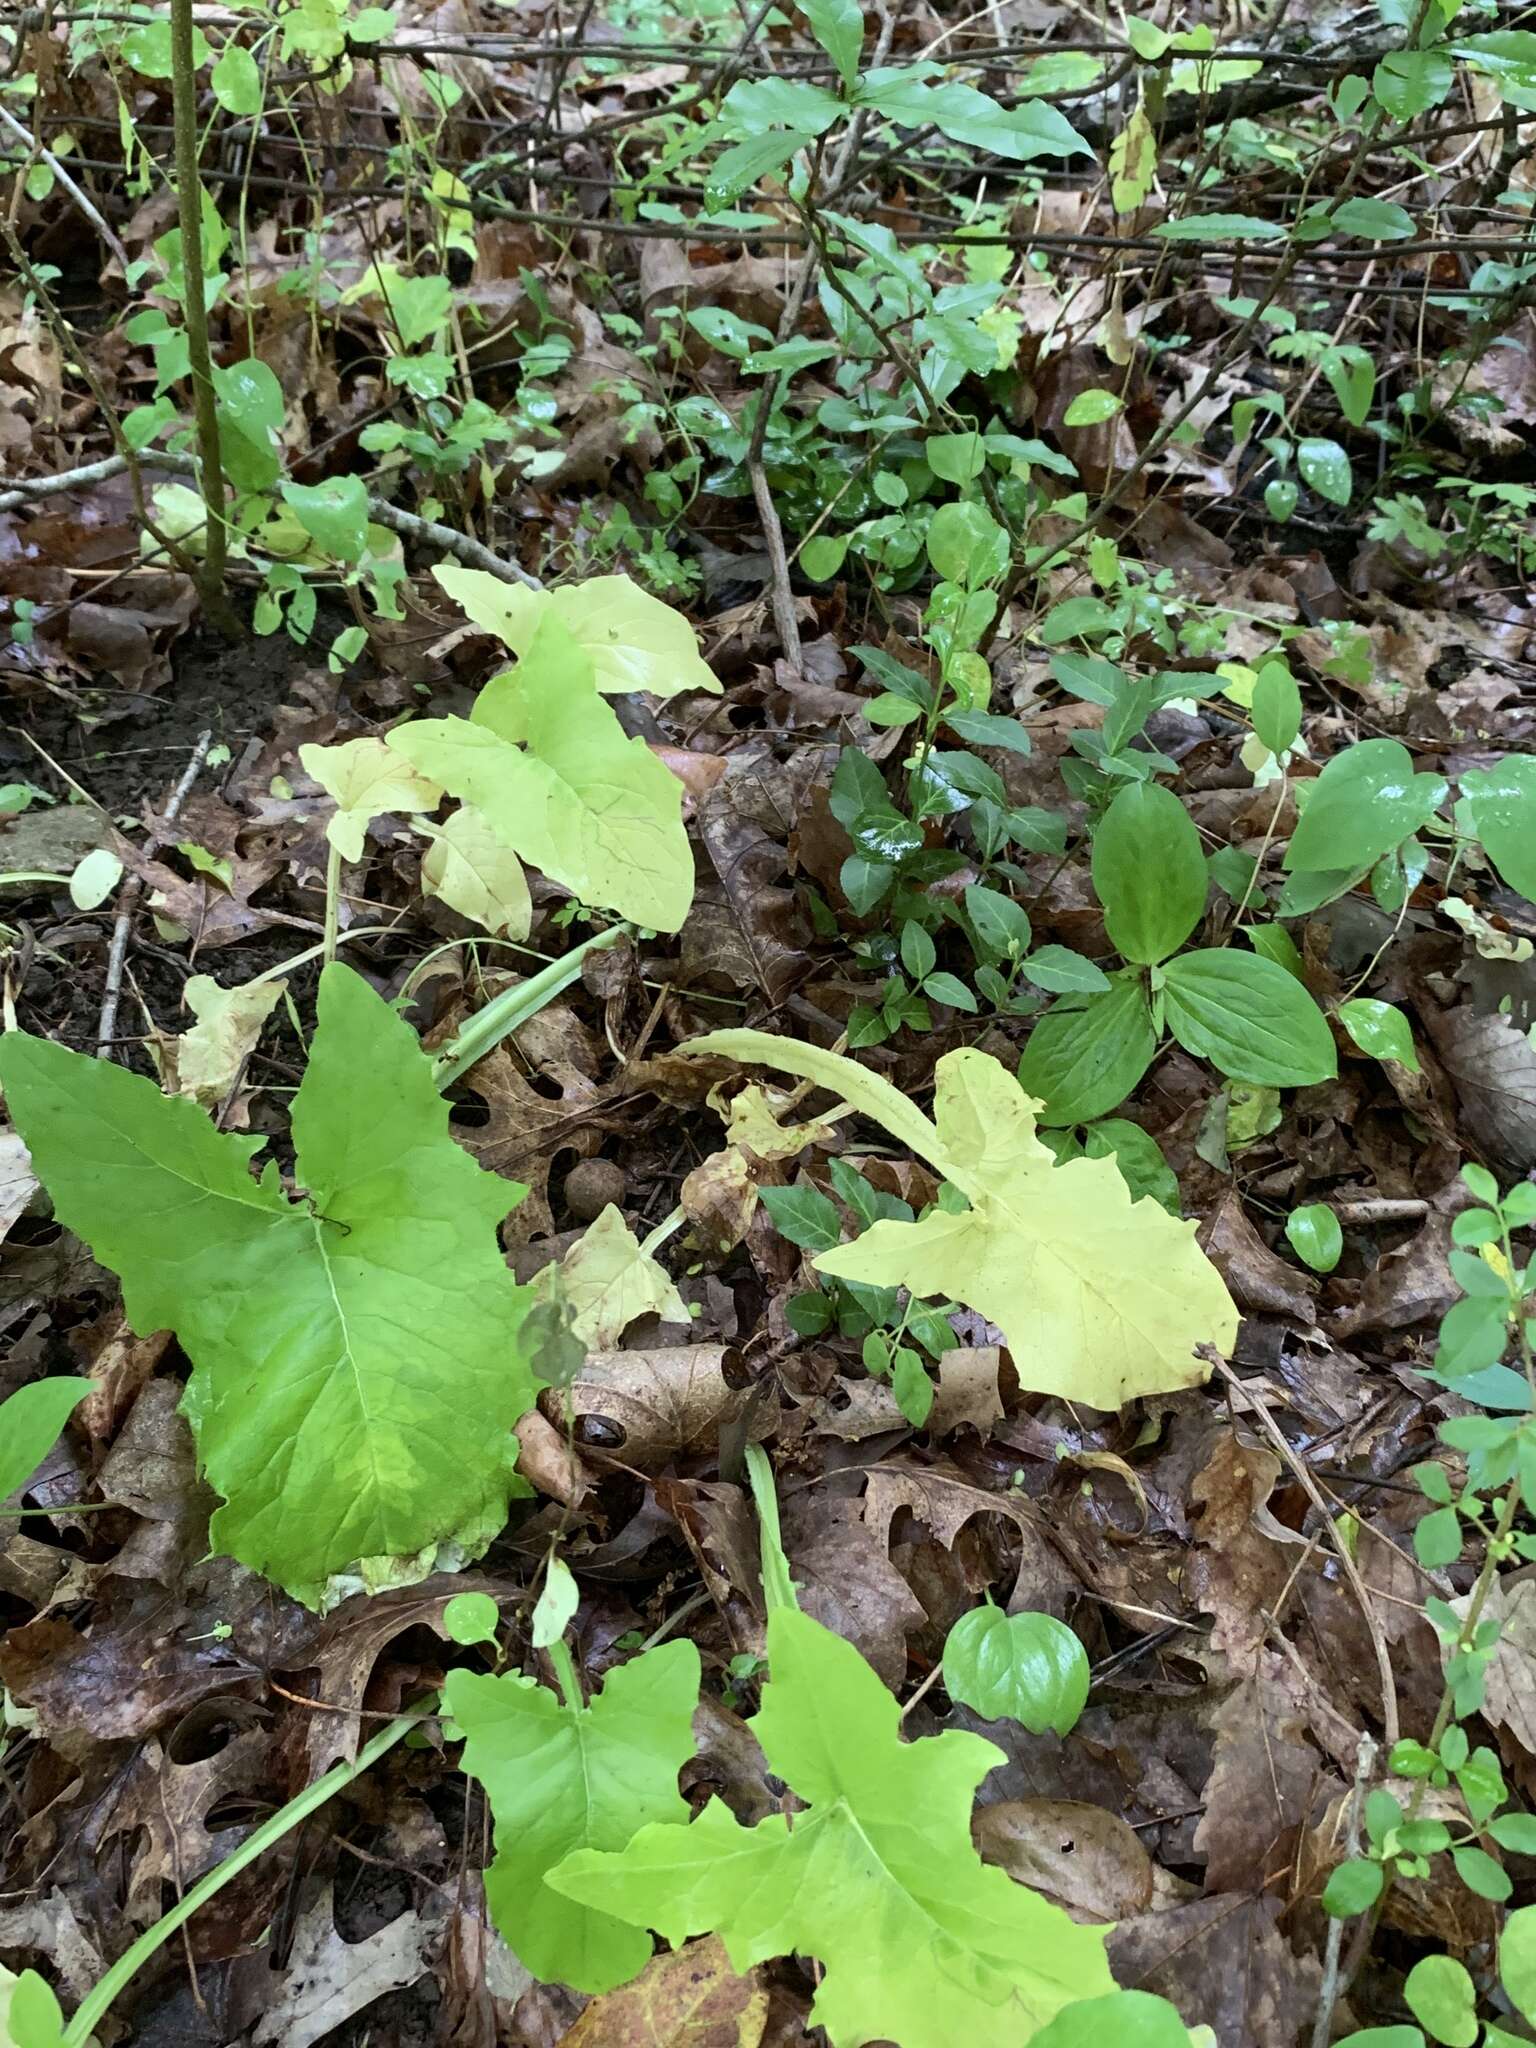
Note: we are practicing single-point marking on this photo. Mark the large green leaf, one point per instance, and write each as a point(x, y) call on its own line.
point(1500, 807)
point(548, 766)
point(1149, 872)
point(1249, 1018)
point(562, 1778)
point(634, 641)
point(1100, 1298)
point(355, 1352)
point(1366, 801)
point(1086, 1054)
point(920, 1941)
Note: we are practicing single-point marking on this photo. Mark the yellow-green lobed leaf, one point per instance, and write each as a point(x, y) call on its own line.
point(1100, 1298)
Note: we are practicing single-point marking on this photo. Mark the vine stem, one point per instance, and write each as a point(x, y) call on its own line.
point(93, 2007)
point(189, 211)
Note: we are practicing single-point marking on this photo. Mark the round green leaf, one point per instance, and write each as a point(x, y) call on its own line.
point(30, 1422)
point(1352, 1887)
point(334, 514)
point(956, 457)
point(1517, 1961)
point(1383, 2037)
point(1249, 1018)
point(1125, 2019)
point(1149, 873)
point(1380, 1030)
point(1029, 1668)
point(966, 545)
point(1479, 1873)
point(1500, 806)
point(1366, 801)
point(1325, 466)
point(236, 80)
point(822, 556)
point(1280, 499)
point(1315, 1236)
point(1442, 1999)
point(1087, 1053)
point(471, 1618)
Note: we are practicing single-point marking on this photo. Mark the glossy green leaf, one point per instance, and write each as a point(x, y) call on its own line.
point(561, 1778)
point(1410, 82)
point(823, 555)
point(334, 515)
point(471, 1618)
point(1001, 924)
point(356, 1370)
point(1500, 807)
point(1276, 709)
point(1384, 2037)
point(1280, 496)
point(956, 458)
point(1517, 1961)
point(30, 1421)
point(1380, 1030)
point(1367, 801)
point(1149, 872)
point(30, 2016)
point(1326, 467)
point(903, 95)
point(1249, 1018)
point(1090, 408)
point(1064, 973)
point(1028, 1668)
point(1099, 1298)
point(919, 1941)
point(1315, 1237)
point(1087, 1053)
point(546, 763)
point(838, 25)
point(1139, 1157)
point(1373, 220)
point(1442, 1998)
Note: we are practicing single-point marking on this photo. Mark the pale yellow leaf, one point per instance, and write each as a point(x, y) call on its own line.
point(608, 1280)
point(366, 778)
point(477, 874)
point(210, 1055)
point(1100, 1298)
point(636, 642)
point(752, 1122)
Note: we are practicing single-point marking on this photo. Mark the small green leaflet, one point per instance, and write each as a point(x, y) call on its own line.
point(1367, 801)
point(356, 1370)
point(838, 25)
point(1381, 1030)
point(1220, 227)
point(1028, 1668)
point(1315, 1237)
point(561, 1778)
point(548, 766)
point(1499, 805)
point(1326, 467)
point(1087, 1053)
point(1249, 1018)
point(1100, 1299)
point(920, 1941)
point(1149, 873)
point(30, 1422)
point(29, 2013)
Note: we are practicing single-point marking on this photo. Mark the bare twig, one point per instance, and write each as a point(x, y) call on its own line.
point(1328, 1996)
point(133, 889)
point(66, 183)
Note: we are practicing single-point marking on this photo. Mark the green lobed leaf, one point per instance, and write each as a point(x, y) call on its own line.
point(1249, 1018)
point(920, 1942)
point(1367, 801)
point(1028, 1668)
point(546, 763)
point(356, 1370)
point(1087, 1053)
point(1500, 807)
point(1149, 873)
point(562, 1778)
point(30, 1421)
point(1442, 1998)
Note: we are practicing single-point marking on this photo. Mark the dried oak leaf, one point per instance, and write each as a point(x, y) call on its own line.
point(1225, 1964)
point(939, 1495)
point(1409, 1286)
point(328, 1979)
point(1259, 1280)
point(1263, 1779)
point(167, 1804)
point(747, 926)
point(847, 1581)
point(526, 1131)
point(691, 1998)
point(1492, 1066)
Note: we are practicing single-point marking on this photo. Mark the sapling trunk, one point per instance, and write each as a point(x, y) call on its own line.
point(189, 208)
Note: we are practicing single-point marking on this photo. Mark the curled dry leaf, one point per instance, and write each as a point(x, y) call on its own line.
point(1492, 1065)
point(1259, 1281)
point(645, 1408)
point(366, 778)
point(1084, 1857)
point(206, 1061)
point(847, 1581)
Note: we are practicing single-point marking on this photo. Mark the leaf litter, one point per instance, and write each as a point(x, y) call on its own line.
point(774, 1093)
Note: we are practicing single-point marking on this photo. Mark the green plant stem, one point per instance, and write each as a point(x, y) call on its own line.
point(332, 902)
point(559, 1655)
point(483, 1032)
point(189, 208)
point(98, 1999)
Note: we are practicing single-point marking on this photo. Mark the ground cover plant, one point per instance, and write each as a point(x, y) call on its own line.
point(769, 1027)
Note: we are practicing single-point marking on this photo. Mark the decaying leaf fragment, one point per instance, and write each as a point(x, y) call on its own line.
point(1101, 1298)
point(608, 1280)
